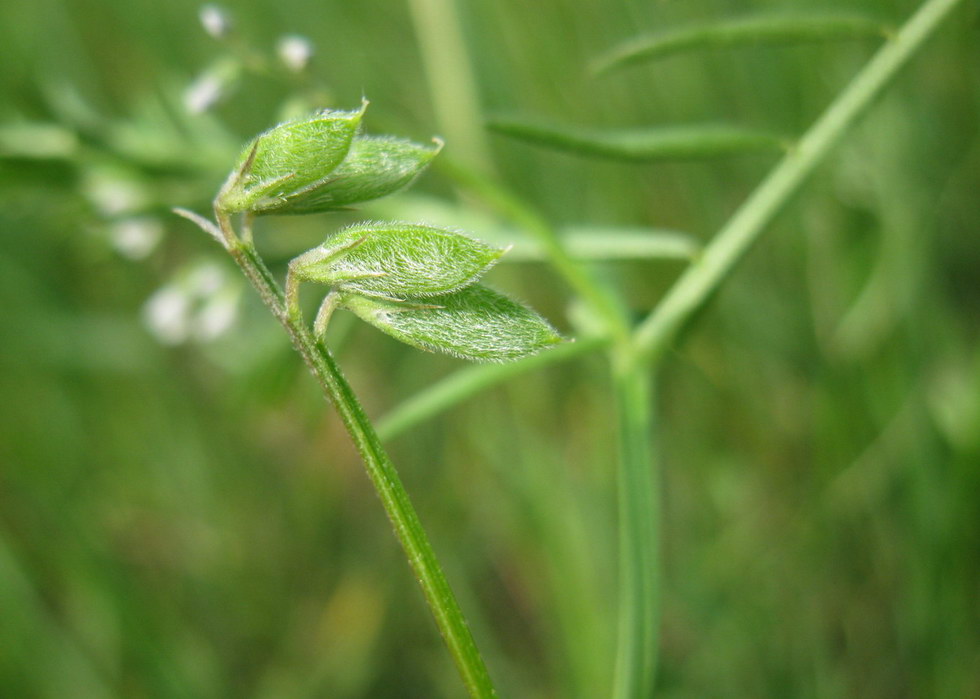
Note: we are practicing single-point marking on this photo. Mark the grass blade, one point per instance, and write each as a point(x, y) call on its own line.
point(770, 29)
point(641, 145)
point(610, 244)
point(584, 242)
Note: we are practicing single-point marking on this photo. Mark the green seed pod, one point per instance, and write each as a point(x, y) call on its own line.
point(474, 323)
point(388, 259)
point(374, 167)
point(289, 159)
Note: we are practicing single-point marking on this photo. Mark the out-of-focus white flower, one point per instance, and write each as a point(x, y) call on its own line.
point(295, 52)
point(112, 193)
point(203, 93)
point(216, 316)
point(215, 20)
point(137, 237)
point(200, 303)
point(166, 314)
point(206, 279)
point(212, 86)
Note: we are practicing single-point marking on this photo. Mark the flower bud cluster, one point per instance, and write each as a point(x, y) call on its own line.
point(320, 163)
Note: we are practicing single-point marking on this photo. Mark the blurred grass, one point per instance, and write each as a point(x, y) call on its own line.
point(190, 521)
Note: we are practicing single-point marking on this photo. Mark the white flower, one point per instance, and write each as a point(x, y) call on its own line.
point(295, 52)
point(215, 21)
point(166, 314)
point(200, 303)
point(203, 93)
point(137, 237)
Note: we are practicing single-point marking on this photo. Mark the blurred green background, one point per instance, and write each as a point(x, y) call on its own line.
point(181, 514)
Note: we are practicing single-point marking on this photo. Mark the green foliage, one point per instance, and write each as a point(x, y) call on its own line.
point(820, 421)
point(417, 283)
point(641, 145)
point(374, 167)
point(319, 164)
point(475, 323)
point(396, 260)
point(37, 141)
point(768, 28)
point(290, 161)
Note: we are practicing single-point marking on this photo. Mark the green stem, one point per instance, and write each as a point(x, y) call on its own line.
point(638, 492)
point(639, 536)
point(452, 83)
point(421, 557)
point(701, 279)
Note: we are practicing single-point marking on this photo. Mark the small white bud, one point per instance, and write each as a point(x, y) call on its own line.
point(295, 52)
point(216, 21)
point(135, 238)
point(203, 93)
point(113, 193)
point(167, 315)
point(211, 86)
point(200, 303)
point(216, 316)
point(206, 280)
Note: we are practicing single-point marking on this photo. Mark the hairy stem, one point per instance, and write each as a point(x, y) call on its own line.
point(639, 536)
point(421, 557)
point(693, 289)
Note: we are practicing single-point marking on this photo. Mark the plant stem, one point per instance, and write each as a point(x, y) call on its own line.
point(421, 557)
point(702, 278)
point(452, 83)
point(639, 535)
point(639, 498)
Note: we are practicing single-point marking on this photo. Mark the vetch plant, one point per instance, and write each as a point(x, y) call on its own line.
point(420, 284)
point(535, 484)
point(415, 282)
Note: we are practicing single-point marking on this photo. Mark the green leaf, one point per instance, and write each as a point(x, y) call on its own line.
point(475, 323)
point(787, 29)
point(288, 160)
point(641, 145)
point(37, 141)
point(374, 167)
point(396, 260)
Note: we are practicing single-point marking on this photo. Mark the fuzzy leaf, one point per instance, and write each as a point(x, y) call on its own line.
point(786, 29)
point(396, 260)
point(641, 145)
point(475, 323)
point(374, 167)
point(289, 159)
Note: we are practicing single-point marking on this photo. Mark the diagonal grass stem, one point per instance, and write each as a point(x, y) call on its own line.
point(702, 278)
